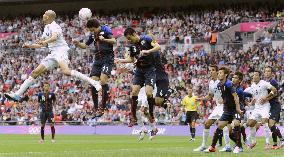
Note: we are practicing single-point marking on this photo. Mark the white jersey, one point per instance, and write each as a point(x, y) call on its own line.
point(49, 29)
point(259, 91)
point(213, 88)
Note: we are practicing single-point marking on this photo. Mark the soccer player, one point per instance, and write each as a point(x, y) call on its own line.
point(274, 110)
point(238, 130)
point(142, 50)
point(216, 114)
point(259, 90)
point(190, 102)
point(143, 112)
point(46, 101)
point(102, 37)
point(54, 39)
point(231, 106)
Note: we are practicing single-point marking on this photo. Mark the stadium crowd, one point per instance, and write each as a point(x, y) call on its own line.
point(74, 103)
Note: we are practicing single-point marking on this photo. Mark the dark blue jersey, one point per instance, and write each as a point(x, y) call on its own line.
point(274, 102)
point(160, 68)
point(103, 49)
point(145, 60)
point(228, 89)
point(46, 101)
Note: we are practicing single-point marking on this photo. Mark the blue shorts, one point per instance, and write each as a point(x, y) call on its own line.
point(144, 76)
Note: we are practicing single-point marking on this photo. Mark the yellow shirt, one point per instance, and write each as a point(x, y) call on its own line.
point(190, 103)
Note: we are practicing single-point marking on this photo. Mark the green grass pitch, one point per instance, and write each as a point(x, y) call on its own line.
point(114, 146)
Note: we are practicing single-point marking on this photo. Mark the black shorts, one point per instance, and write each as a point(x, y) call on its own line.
point(229, 117)
point(102, 67)
point(46, 116)
point(275, 113)
point(163, 90)
point(191, 116)
point(240, 117)
point(145, 76)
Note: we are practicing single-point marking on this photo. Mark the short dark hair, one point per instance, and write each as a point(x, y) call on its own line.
point(129, 31)
point(257, 71)
point(226, 70)
point(93, 23)
point(240, 75)
point(214, 66)
point(269, 68)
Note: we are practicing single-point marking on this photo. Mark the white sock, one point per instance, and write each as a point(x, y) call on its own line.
point(245, 125)
point(153, 126)
point(140, 121)
point(252, 135)
point(226, 136)
point(267, 133)
point(205, 137)
point(27, 83)
point(82, 76)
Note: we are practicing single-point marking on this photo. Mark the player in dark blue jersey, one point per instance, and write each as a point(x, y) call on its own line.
point(275, 110)
point(46, 101)
point(238, 128)
point(162, 82)
point(142, 53)
point(102, 37)
point(231, 106)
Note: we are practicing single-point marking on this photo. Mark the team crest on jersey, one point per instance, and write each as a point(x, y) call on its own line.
point(142, 42)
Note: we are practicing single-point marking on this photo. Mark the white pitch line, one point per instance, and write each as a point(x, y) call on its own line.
point(94, 150)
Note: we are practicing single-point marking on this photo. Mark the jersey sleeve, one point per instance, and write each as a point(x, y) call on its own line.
point(267, 85)
point(90, 40)
point(248, 90)
point(274, 84)
point(55, 29)
point(108, 32)
point(147, 38)
point(231, 87)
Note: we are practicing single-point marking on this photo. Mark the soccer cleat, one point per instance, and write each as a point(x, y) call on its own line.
point(210, 149)
point(12, 96)
point(267, 146)
point(153, 133)
point(41, 141)
point(281, 144)
point(251, 146)
point(132, 122)
point(237, 150)
point(200, 149)
point(241, 149)
point(192, 140)
point(52, 141)
point(97, 85)
point(275, 147)
point(226, 149)
point(142, 135)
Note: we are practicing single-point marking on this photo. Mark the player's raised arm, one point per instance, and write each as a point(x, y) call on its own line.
point(156, 46)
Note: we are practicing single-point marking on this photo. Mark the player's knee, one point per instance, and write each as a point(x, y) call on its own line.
point(207, 125)
point(135, 92)
point(66, 72)
point(159, 101)
point(270, 124)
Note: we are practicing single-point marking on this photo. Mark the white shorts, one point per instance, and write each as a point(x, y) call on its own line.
point(51, 61)
point(217, 112)
point(259, 113)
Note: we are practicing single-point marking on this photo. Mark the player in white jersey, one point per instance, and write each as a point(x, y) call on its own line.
point(58, 57)
point(216, 94)
point(143, 112)
point(259, 90)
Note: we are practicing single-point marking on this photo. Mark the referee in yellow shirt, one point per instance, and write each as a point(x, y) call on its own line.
point(190, 104)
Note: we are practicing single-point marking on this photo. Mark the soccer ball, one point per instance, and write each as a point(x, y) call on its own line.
point(85, 14)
